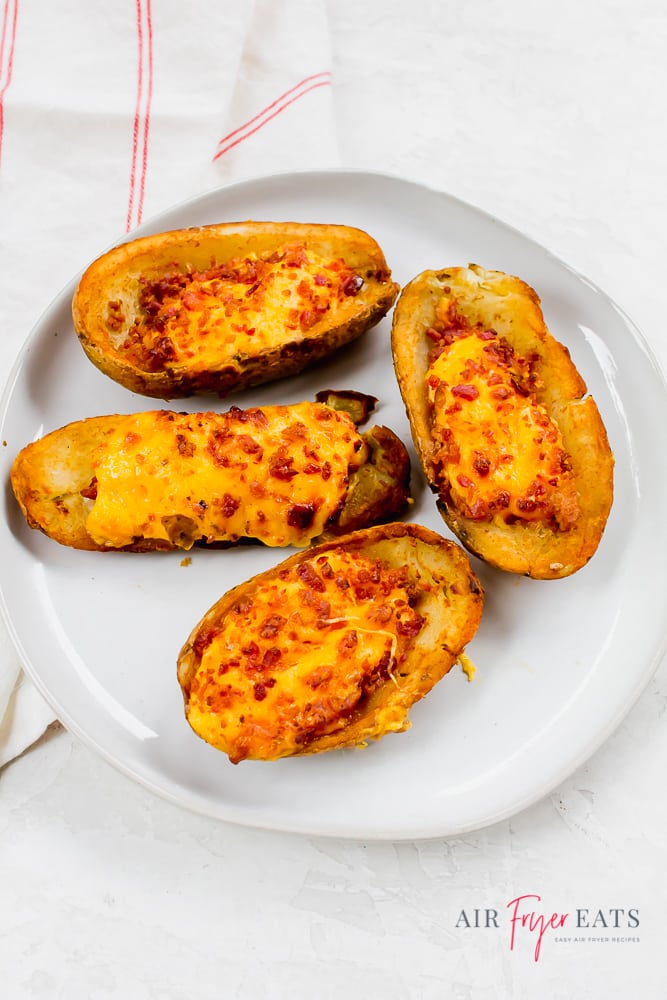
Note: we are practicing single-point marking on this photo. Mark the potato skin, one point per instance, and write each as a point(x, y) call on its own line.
point(115, 276)
point(512, 308)
point(49, 474)
point(453, 606)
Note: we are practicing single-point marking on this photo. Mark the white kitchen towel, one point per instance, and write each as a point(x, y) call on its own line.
point(111, 113)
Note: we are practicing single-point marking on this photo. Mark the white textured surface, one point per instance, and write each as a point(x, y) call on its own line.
point(552, 118)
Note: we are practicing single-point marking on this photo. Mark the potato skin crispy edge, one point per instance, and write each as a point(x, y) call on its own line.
point(48, 475)
point(453, 607)
point(114, 276)
point(513, 309)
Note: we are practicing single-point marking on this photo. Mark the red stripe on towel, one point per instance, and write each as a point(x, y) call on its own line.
point(147, 116)
point(10, 12)
point(271, 111)
point(142, 115)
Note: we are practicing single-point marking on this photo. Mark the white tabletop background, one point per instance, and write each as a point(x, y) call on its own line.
point(551, 117)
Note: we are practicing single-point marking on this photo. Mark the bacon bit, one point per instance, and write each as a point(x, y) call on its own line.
point(191, 301)
point(309, 576)
point(352, 284)
point(229, 505)
point(464, 481)
point(203, 641)
point(410, 627)
point(468, 392)
point(326, 471)
point(307, 319)
point(323, 609)
point(272, 626)
point(502, 499)
point(383, 669)
point(321, 280)
point(115, 316)
point(295, 255)
point(481, 464)
point(487, 334)
point(348, 642)
point(564, 462)
point(280, 466)
point(161, 353)
point(185, 448)
point(249, 446)
point(501, 392)
point(522, 387)
point(271, 657)
point(301, 515)
point(479, 511)
point(254, 415)
point(381, 614)
point(295, 431)
point(500, 351)
point(90, 492)
point(259, 691)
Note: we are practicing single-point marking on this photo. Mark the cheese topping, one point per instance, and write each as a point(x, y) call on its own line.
point(277, 474)
point(498, 447)
point(301, 655)
point(247, 306)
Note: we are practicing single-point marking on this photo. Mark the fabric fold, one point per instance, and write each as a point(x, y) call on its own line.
point(281, 117)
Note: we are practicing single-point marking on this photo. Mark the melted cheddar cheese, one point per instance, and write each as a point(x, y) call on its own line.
point(276, 474)
point(247, 306)
point(501, 453)
point(301, 655)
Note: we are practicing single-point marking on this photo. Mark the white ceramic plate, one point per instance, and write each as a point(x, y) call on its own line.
point(559, 663)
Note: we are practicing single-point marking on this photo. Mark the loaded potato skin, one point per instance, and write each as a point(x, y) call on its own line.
point(220, 308)
point(283, 475)
point(507, 436)
point(332, 647)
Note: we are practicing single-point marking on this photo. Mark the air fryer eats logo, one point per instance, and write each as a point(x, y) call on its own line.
point(528, 921)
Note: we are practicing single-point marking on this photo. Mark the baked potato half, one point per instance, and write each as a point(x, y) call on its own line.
point(507, 436)
point(223, 307)
point(332, 647)
point(282, 475)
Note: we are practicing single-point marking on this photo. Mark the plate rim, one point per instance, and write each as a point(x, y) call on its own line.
point(568, 766)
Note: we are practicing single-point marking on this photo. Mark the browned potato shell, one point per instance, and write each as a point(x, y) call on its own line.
point(504, 429)
point(332, 647)
point(164, 480)
point(223, 307)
